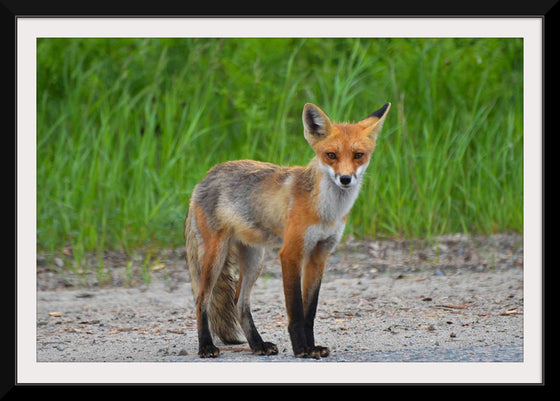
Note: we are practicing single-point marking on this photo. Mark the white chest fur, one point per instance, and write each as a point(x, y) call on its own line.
point(334, 205)
point(327, 234)
point(335, 202)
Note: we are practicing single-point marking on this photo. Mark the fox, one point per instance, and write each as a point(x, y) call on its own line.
point(242, 207)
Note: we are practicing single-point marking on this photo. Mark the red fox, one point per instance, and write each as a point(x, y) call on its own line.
point(243, 206)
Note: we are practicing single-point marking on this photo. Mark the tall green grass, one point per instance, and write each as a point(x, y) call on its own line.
point(127, 127)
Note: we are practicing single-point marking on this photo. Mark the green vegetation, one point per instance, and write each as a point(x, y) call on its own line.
point(127, 127)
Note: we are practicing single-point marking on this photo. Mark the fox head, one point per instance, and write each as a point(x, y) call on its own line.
point(343, 150)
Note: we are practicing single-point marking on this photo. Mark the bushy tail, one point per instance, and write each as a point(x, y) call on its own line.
point(222, 311)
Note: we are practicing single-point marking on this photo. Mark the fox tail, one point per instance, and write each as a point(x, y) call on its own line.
point(222, 309)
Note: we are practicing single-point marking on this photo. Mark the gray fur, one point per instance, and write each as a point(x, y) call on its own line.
point(231, 186)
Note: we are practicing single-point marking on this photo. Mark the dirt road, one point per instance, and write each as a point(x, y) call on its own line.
point(457, 299)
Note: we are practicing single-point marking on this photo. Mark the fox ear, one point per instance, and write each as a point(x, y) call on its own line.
point(316, 124)
point(374, 121)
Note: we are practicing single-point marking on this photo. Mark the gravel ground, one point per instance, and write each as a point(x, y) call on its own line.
point(457, 299)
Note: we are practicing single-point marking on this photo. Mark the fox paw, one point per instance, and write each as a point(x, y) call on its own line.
point(323, 351)
point(316, 352)
point(208, 351)
point(265, 348)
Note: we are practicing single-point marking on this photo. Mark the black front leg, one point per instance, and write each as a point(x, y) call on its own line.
point(312, 276)
point(313, 351)
point(290, 257)
point(296, 324)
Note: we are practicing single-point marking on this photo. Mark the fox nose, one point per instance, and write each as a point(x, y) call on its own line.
point(345, 179)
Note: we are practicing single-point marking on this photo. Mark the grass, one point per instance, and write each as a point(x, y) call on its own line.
point(127, 127)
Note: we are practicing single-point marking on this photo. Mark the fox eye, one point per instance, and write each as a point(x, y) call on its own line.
point(358, 155)
point(331, 155)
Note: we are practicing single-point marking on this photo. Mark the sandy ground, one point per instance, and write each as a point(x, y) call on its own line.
point(457, 299)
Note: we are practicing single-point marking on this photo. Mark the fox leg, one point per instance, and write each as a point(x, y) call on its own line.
point(312, 275)
point(291, 256)
point(250, 267)
point(216, 249)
